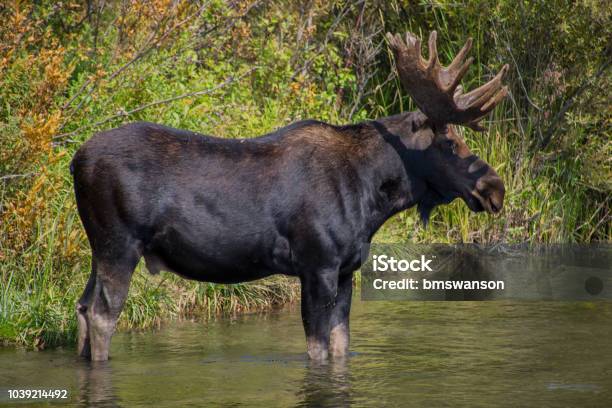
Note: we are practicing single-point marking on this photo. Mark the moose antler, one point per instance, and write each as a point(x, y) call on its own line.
point(436, 90)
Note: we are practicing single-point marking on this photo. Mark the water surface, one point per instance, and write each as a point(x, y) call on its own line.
point(473, 354)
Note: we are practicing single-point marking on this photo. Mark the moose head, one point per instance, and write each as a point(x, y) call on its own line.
point(450, 170)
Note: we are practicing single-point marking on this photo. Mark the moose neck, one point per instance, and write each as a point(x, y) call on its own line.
point(395, 170)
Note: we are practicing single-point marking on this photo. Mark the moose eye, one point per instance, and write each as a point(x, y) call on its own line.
point(450, 146)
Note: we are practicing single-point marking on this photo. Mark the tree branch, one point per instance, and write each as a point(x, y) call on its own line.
point(14, 176)
point(570, 101)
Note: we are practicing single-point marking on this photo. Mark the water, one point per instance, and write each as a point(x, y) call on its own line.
point(473, 354)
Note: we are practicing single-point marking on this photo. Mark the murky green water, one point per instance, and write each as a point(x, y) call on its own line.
point(474, 354)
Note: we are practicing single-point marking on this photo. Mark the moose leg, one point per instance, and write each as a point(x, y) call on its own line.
point(109, 294)
point(318, 297)
point(339, 336)
point(83, 348)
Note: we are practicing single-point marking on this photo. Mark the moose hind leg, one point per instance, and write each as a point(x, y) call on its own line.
point(109, 294)
point(339, 324)
point(84, 349)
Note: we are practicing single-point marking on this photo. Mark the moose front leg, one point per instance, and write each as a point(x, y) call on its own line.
point(318, 299)
point(112, 282)
point(339, 324)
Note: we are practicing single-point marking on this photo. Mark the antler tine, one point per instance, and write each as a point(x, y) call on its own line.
point(461, 55)
point(501, 94)
point(458, 68)
point(458, 91)
point(433, 61)
point(414, 43)
point(480, 95)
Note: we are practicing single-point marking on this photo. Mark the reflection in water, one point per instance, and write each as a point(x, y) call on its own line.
point(404, 354)
point(326, 385)
point(95, 384)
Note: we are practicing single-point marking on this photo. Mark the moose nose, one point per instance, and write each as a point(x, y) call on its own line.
point(491, 188)
point(496, 205)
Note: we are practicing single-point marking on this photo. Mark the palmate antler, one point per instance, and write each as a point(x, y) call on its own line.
point(436, 90)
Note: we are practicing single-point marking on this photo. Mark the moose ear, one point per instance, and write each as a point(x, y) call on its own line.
point(418, 120)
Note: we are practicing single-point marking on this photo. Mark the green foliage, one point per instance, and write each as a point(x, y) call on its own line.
point(550, 140)
point(66, 72)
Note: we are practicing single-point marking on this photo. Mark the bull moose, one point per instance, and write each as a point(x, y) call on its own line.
point(301, 201)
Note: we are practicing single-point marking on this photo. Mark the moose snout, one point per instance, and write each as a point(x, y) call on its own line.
point(490, 191)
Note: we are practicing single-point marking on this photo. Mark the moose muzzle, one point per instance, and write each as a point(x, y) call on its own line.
point(490, 191)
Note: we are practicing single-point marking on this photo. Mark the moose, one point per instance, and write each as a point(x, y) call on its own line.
point(300, 201)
